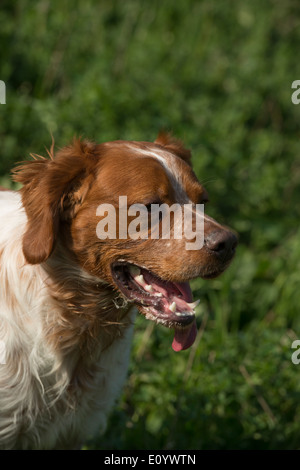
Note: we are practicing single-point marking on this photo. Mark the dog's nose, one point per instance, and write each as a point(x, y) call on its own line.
point(222, 243)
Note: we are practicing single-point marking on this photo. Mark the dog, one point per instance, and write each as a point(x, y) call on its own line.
point(68, 297)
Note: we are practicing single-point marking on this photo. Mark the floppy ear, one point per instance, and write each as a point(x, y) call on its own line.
point(52, 191)
point(174, 145)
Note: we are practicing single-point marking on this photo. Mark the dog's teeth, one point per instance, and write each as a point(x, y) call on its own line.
point(149, 288)
point(134, 271)
point(183, 314)
point(140, 279)
point(194, 304)
point(172, 307)
point(158, 294)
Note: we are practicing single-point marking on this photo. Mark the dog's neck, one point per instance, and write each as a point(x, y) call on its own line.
point(88, 308)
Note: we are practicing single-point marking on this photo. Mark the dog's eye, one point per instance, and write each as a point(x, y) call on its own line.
point(148, 206)
point(204, 200)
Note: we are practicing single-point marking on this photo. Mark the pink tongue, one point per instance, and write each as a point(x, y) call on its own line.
point(185, 289)
point(183, 339)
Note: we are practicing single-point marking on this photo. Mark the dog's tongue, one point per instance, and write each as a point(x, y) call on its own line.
point(184, 338)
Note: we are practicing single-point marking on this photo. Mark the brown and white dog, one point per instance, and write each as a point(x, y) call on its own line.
point(65, 334)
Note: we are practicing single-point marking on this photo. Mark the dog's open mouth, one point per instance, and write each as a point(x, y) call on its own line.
point(165, 302)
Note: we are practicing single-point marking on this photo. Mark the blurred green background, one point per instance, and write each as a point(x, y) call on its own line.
point(218, 75)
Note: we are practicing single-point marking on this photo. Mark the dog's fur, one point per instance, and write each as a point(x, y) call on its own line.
point(66, 336)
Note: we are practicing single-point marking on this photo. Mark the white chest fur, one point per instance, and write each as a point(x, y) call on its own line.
point(37, 409)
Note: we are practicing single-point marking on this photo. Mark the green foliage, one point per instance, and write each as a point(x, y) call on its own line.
point(217, 74)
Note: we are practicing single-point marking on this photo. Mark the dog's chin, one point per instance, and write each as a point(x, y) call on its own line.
point(212, 274)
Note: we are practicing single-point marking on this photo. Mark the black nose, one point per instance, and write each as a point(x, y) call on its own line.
point(222, 243)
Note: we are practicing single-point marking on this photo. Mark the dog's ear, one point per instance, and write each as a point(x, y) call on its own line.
point(174, 145)
point(52, 191)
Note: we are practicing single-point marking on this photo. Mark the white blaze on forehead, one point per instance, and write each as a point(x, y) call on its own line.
point(174, 172)
point(172, 168)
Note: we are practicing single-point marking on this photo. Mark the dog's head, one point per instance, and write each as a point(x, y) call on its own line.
point(103, 204)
